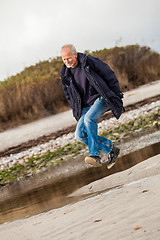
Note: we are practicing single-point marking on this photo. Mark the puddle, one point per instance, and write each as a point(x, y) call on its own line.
point(56, 195)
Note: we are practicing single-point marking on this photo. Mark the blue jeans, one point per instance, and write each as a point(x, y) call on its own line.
point(87, 128)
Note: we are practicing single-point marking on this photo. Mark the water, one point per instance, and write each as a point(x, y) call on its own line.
point(55, 195)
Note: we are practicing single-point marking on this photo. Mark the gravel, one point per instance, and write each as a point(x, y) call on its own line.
point(54, 144)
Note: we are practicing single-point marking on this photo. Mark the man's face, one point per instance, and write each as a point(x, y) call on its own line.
point(69, 59)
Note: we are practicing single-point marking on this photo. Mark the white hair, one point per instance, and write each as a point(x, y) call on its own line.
point(72, 47)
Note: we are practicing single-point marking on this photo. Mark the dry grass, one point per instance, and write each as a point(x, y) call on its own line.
point(133, 65)
point(37, 92)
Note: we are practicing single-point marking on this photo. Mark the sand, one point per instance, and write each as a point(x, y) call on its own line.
point(129, 210)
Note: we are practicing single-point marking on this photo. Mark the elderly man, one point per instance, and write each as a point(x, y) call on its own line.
point(91, 89)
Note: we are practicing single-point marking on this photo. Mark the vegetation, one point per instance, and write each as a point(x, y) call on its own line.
point(38, 163)
point(37, 92)
point(133, 65)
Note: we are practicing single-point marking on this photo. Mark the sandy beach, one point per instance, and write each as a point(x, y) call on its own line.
point(124, 205)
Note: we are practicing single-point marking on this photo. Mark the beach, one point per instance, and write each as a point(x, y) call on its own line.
point(122, 206)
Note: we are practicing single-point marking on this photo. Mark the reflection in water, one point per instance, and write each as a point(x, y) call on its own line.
point(55, 195)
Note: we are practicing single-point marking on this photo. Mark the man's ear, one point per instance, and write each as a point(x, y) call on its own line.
point(76, 55)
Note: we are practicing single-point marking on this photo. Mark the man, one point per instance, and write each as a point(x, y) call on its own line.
point(91, 89)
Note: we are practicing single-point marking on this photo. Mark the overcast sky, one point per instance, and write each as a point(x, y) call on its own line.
point(34, 30)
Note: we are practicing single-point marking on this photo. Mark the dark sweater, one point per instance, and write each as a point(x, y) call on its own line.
point(87, 92)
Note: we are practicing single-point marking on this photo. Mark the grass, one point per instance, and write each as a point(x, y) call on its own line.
point(37, 163)
point(149, 122)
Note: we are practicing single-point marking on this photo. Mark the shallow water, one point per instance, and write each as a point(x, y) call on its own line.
point(55, 195)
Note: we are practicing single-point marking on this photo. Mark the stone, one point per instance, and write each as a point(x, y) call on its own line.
point(136, 123)
point(2, 167)
point(116, 134)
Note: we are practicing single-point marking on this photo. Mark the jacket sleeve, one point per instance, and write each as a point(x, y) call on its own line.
point(65, 91)
point(106, 73)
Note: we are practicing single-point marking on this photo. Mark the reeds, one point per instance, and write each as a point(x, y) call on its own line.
point(133, 65)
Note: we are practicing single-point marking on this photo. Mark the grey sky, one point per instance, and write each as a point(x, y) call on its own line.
point(34, 30)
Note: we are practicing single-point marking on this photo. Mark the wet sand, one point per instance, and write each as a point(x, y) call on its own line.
point(129, 210)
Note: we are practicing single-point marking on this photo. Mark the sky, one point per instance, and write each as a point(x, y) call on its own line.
point(34, 30)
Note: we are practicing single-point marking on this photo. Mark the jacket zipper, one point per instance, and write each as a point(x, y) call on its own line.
point(77, 97)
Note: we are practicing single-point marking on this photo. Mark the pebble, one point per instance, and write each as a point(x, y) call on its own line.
point(54, 144)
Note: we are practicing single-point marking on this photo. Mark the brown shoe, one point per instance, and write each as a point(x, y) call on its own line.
point(94, 161)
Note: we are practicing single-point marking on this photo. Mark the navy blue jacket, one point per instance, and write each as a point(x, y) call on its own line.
point(101, 77)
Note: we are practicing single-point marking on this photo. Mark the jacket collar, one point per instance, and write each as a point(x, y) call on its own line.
point(82, 58)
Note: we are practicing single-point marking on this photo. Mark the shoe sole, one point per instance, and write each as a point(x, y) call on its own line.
point(92, 161)
point(113, 163)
